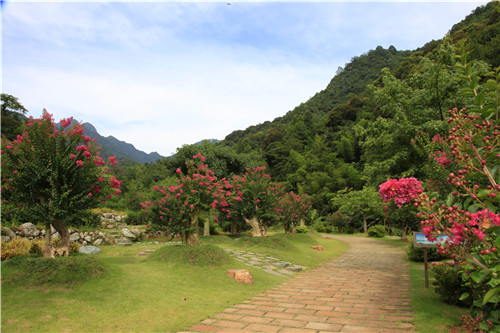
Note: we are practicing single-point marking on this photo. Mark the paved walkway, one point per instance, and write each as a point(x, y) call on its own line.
point(366, 289)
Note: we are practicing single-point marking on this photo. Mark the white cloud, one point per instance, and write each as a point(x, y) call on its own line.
point(160, 75)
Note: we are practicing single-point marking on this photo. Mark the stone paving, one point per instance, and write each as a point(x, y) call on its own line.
point(268, 264)
point(366, 289)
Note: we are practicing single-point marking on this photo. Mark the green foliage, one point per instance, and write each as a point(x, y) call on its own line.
point(302, 230)
point(365, 204)
point(377, 231)
point(205, 255)
point(449, 284)
point(12, 116)
point(30, 271)
point(137, 218)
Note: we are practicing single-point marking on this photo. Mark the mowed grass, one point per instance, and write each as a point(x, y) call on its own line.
point(153, 293)
point(430, 313)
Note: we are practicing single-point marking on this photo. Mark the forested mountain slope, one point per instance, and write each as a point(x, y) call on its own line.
point(358, 131)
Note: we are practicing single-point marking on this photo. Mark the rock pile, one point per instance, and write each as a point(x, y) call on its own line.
point(32, 232)
point(112, 220)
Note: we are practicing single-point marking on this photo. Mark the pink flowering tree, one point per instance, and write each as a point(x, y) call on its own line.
point(469, 215)
point(254, 199)
point(51, 175)
point(293, 210)
point(177, 208)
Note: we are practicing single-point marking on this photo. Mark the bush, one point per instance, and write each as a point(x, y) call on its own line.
point(302, 230)
point(16, 247)
point(23, 246)
point(377, 231)
point(136, 218)
point(350, 230)
point(449, 285)
point(319, 227)
point(417, 254)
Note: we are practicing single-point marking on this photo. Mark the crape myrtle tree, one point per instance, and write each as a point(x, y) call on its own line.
point(177, 208)
point(254, 200)
point(51, 175)
point(293, 210)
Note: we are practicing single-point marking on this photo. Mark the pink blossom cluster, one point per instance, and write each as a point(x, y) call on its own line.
point(402, 191)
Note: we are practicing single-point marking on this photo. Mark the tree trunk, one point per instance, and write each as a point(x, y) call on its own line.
point(365, 224)
point(403, 236)
point(257, 229)
point(62, 229)
point(234, 227)
point(206, 227)
point(47, 249)
point(191, 235)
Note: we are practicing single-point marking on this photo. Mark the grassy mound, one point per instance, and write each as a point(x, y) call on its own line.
point(31, 271)
point(205, 255)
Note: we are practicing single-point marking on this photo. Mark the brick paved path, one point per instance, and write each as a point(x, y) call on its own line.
point(366, 289)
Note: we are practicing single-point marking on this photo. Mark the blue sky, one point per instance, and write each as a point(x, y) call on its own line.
point(163, 74)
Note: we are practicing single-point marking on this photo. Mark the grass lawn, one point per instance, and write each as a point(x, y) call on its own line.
point(144, 293)
point(430, 313)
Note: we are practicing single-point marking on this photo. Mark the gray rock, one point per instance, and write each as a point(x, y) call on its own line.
point(5, 239)
point(294, 268)
point(74, 236)
point(136, 232)
point(87, 238)
point(89, 249)
point(55, 236)
point(9, 232)
point(281, 264)
point(270, 271)
point(30, 230)
point(97, 242)
point(124, 242)
point(128, 234)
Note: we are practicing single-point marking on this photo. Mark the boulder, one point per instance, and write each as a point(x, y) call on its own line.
point(128, 234)
point(136, 232)
point(318, 247)
point(5, 239)
point(30, 230)
point(74, 236)
point(8, 232)
point(97, 242)
point(240, 275)
point(55, 236)
point(89, 249)
point(87, 238)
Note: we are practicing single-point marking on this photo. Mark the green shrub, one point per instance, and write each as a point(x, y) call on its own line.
point(136, 218)
point(377, 231)
point(417, 253)
point(449, 285)
point(302, 230)
point(319, 227)
point(350, 230)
